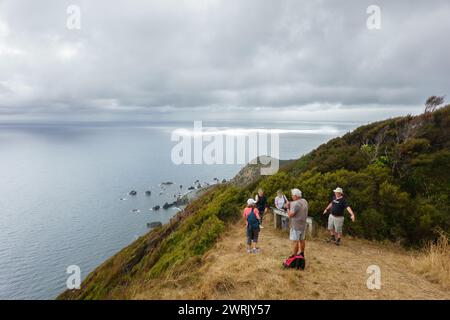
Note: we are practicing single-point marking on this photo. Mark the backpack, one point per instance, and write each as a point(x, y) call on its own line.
point(297, 262)
point(285, 201)
point(253, 222)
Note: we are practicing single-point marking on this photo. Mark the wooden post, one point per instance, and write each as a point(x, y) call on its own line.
point(280, 219)
point(276, 220)
point(311, 227)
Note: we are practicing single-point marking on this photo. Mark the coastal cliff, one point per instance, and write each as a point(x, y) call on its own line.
point(395, 176)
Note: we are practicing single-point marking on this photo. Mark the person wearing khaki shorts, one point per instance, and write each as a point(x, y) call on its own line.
point(335, 223)
point(336, 218)
point(298, 213)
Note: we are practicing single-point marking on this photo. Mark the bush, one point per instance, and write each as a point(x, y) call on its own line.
point(414, 146)
point(198, 232)
point(373, 225)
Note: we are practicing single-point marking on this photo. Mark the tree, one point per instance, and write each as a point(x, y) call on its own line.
point(433, 103)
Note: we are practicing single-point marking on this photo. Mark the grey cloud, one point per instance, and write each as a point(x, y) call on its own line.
point(167, 57)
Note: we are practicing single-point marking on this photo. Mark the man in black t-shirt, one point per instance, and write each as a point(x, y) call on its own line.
point(336, 218)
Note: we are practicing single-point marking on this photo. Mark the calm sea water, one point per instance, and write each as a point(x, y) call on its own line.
point(61, 185)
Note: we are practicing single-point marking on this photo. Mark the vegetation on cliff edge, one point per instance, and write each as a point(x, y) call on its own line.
point(394, 173)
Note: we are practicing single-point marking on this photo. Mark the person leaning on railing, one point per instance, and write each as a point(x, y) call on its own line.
point(281, 202)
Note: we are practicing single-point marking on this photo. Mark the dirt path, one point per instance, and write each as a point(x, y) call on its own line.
point(228, 272)
point(331, 273)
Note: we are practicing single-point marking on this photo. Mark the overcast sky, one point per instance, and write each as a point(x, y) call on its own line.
point(212, 59)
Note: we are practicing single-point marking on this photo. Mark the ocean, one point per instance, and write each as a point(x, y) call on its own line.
point(64, 190)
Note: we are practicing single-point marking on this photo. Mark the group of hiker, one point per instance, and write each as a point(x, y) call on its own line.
point(297, 211)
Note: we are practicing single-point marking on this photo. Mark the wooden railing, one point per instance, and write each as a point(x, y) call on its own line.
point(281, 221)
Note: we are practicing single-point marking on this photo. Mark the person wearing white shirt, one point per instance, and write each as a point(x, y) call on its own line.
point(281, 200)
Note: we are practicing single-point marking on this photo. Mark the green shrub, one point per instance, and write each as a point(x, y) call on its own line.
point(198, 232)
point(373, 224)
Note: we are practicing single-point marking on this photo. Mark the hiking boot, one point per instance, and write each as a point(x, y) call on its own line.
point(338, 242)
point(332, 239)
point(255, 250)
point(249, 251)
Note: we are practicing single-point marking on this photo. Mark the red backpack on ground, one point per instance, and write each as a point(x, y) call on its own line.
point(297, 262)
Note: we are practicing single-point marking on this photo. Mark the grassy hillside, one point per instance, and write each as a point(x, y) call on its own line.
point(394, 173)
point(175, 246)
point(227, 272)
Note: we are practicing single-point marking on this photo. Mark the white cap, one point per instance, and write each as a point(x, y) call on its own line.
point(296, 192)
point(251, 202)
point(339, 190)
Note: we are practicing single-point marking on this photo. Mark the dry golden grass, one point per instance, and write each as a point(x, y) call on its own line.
point(434, 261)
point(228, 272)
